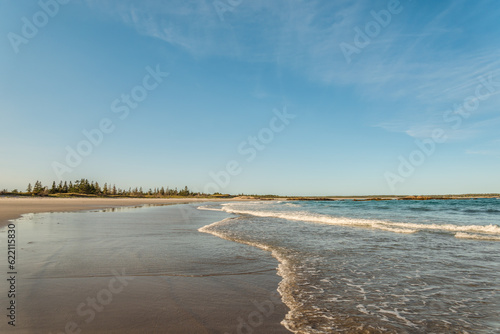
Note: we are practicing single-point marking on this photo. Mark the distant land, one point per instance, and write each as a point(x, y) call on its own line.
point(394, 197)
point(84, 188)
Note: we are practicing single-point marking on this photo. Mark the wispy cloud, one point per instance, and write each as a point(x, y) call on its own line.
point(423, 65)
point(469, 128)
point(305, 35)
point(490, 148)
point(484, 152)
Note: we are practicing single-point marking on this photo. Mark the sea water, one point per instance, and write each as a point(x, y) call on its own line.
point(378, 266)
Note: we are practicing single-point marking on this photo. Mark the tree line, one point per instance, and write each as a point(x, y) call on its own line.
point(84, 187)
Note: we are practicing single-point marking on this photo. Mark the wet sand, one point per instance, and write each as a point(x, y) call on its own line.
point(14, 207)
point(145, 270)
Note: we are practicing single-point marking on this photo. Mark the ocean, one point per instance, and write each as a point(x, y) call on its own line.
point(378, 266)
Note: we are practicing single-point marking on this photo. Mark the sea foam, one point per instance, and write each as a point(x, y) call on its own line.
point(396, 227)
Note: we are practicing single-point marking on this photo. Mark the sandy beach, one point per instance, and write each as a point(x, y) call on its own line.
point(14, 207)
point(126, 270)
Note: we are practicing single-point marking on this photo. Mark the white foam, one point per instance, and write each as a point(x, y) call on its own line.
point(209, 208)
point(399, 316)
point(396, 227)
point(361, 308)
point(207, 228)
point(283, 270)
point(462, 235)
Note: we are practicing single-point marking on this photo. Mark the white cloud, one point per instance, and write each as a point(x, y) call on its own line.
point(418, 64)
point(484, 152)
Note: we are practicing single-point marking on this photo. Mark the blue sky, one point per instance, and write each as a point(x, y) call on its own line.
point(382, 97)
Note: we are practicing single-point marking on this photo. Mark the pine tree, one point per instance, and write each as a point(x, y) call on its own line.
point(53, 190)
point(84, 186)
point(38, 188)
point(184, 192)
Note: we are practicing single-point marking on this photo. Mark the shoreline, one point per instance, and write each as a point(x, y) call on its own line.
point(281, 271)
point(12, 208)
point(216, 287)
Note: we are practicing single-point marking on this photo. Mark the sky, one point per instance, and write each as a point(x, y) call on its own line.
point(258, 97)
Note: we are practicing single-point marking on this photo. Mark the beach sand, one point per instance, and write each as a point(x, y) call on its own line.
point(145, 270)
point(14, 207)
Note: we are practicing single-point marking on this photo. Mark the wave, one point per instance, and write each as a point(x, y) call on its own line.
point(462, 235)
point(397, 227)
point(298, 278)
point(292, 205)
point(209, 208)
point(283, 270)
point(481, 211)
point(420, 209)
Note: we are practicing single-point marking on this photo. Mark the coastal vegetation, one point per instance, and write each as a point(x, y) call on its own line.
point(86, 188)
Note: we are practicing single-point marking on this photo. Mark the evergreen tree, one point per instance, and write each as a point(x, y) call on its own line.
point(83, 186)
point(184, 192)
point(53, 190)
point(38, 188)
